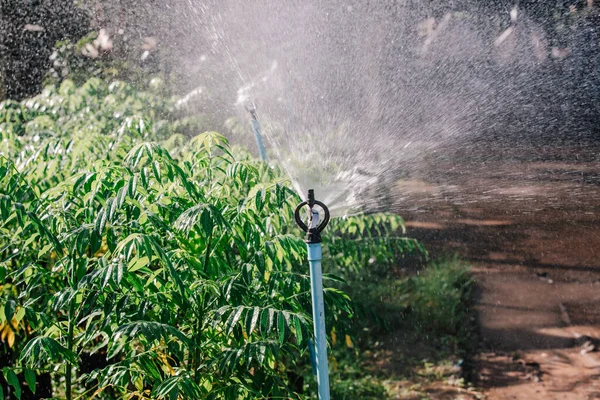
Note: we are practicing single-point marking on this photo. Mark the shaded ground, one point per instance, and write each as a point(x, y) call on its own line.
point(530, 224)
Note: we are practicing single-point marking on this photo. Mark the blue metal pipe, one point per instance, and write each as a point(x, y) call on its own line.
point(318, 309)
point(315, 255)
point(258, 134)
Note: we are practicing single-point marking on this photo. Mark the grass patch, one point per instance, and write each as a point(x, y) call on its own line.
point(414, 334)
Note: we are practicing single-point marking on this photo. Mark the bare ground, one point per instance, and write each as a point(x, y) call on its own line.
point(530, 225)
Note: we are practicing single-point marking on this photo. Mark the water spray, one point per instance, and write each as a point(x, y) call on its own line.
point(251, 108)
point(313, 242)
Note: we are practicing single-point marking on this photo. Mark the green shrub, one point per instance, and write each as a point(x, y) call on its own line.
point(362, 387)
point(173, 261)
point(439, 298)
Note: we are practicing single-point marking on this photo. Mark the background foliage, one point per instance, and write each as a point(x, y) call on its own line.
point(130, 40)
point(140, 262)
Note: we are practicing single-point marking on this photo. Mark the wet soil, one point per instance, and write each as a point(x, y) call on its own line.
point(529, 222)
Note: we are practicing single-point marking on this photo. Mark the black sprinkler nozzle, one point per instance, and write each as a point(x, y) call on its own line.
point(251, 108)
point(311, 198)
point(313, 232)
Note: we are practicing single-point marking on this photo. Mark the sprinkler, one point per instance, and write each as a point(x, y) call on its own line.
point(313, 242)
point(251, 108)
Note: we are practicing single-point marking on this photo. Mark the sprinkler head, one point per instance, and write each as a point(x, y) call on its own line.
point(311, 198)
point(251, 108)
point(314, 229)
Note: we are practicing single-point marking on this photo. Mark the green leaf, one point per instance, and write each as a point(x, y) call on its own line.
point(271, 318)
point(253, 320)
point(168, 387)
point(281, 325)
point(151, 331)
point(121, 196)
point(206, 222)
point(156, 170)
point(30, 240)
point(20, 314)
point(101, 220)
point(259, 260)
point(190, 217)
point(9, 309)
point(119, 273)
point(13, 381)
point(233, 319)
point(30, 378)
point(259, 199)
point(42, 348)
point(298, 329)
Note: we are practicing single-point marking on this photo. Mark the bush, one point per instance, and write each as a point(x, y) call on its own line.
point(137, 262)
point(439, 298)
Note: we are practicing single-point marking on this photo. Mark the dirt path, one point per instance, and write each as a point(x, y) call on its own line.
point(532, 232)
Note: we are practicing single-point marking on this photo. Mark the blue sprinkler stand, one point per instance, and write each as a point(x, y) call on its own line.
point(313, 242)
point(257, 132)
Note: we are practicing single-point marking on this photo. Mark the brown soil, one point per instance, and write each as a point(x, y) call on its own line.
point(532, 232)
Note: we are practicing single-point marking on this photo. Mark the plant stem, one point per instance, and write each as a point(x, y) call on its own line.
point(199, 316)
point(207, 255)
point(197, 339)
point(70, 349)
point(69, 372)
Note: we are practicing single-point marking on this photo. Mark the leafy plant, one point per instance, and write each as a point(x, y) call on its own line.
point(173, 263)
point(440, 297)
